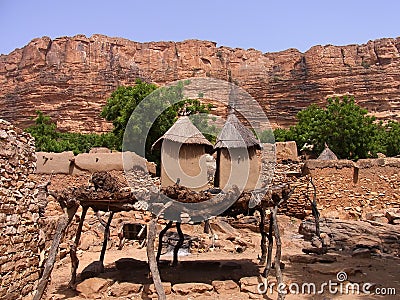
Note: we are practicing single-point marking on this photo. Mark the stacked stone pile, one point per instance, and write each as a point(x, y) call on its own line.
point(290, 172)
point(19, 231)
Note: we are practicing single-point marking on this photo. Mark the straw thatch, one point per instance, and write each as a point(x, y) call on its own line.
point(235, 135)
point(327, 154)
point(184, 132)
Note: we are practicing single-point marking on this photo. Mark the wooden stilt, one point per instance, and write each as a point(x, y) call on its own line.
point(62, 225)
point(207, 227)
point(270, 246)
point(151, 237)
point(74, 247)
point(263, 236)
point(160, 238)
point(179, 244)
point(106, 236)
point(278, 250)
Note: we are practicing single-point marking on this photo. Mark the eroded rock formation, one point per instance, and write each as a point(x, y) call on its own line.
point(70, 78)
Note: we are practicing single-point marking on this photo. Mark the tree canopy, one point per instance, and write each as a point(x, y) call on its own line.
point(345, 127)
point(163, 104)
point(49, 139)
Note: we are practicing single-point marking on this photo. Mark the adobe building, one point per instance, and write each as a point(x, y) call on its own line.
point(237, 160)
point(183, 159)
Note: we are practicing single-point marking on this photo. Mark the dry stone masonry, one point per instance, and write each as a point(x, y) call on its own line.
point(19, 230)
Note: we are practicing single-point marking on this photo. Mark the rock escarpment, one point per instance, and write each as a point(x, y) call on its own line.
point(70, 78)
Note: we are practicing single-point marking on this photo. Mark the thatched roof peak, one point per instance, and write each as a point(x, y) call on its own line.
point(183, 131)
point(235, 135)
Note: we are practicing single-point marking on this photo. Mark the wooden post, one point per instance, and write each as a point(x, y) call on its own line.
point(207, 227)
point(160, 237)
point(179, 244)
point(278, 250)
point(263, 236)
point(270, 246)
point(106, 236)
point(151, 237)
point(356, 170)
point(74, 247)
point(62, 225)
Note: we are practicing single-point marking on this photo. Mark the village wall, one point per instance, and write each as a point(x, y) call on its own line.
point(19, 229)
point(368, 184)
point(96, 161)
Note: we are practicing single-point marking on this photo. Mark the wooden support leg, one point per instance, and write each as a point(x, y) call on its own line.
point(62, 225)
point(263, 236)
point(278, 251)
point(160, 238)
point(151, 237)
point(207, 227)
point(106, 236)
point(179, 244)
point(270, 246)
point(74, 247)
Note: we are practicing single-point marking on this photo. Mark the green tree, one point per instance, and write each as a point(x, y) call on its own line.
point(266, 136)
point(342, 124)
point(122, 103)
point(49, 139)
point(164, 104)
point(391, 138)
point(44, 132)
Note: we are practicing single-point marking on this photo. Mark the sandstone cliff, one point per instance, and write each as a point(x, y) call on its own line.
point(70, 78)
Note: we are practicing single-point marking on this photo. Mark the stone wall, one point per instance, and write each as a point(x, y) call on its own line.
point(19, 230)
point(355, 189)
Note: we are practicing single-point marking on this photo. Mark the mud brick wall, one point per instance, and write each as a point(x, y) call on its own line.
point(19, 231)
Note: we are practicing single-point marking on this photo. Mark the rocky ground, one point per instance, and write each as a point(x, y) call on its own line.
point(225, 265)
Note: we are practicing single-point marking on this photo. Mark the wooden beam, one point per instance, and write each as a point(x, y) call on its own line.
point(74, 247)
point(106, 237)
point(178, 244)
point(151, 237)
point(160, 238)
point(62, 225)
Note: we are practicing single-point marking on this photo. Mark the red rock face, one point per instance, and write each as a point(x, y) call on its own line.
point(70, 78)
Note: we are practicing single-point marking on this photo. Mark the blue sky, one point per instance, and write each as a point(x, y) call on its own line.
point(266, 25)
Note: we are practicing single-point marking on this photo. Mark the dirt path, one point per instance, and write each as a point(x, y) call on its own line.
point(221, 264)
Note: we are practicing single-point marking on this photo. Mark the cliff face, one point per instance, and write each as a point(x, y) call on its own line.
point(70, 78)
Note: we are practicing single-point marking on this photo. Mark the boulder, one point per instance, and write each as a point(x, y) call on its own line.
point(225, 286)
point(250, 284)
point(92, 286)
point(150, 289)
point(286, 151)
point(121, 289)
point(192, 287)
point(392, 215)
point(361, 253)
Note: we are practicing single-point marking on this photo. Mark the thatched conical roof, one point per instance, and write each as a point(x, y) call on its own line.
point(184, 132)
point(327, 154)
point(235, 135)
